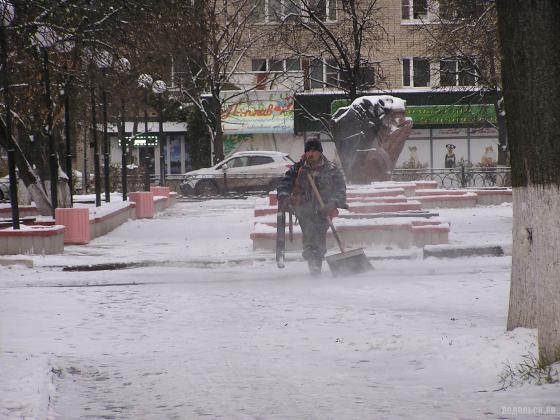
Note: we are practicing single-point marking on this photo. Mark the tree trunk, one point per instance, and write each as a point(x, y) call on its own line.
point(218, 139)
point(546, 237)
point(502, 131)
point(523, 294)
point(529, 34)
point(31, 181)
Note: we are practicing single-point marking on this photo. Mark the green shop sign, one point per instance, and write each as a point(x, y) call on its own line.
point(451, 114)
point(441, 114)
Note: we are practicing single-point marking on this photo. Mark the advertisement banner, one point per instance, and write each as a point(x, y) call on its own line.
point(259, 112)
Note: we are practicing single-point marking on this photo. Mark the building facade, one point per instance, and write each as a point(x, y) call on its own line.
point(444, 95)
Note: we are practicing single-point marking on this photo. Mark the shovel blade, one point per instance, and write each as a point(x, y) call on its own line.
point(349, 262)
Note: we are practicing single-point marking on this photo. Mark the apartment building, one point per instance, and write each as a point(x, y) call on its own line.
point(297, 83)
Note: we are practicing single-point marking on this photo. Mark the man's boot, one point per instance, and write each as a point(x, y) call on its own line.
point(314, 265)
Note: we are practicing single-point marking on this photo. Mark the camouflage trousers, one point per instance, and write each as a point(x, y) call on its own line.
point(314, 227)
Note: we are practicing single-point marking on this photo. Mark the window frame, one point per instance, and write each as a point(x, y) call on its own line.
point(269, 160)
point(268, 62)
point(327, 72)
point(411, 72)
point(328, 15)
point(457, 73)
point(330, 11)
point(408, 5)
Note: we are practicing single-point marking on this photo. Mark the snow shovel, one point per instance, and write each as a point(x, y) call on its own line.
point(347, 262)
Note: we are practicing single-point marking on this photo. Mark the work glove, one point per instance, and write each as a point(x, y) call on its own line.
point(329, 210)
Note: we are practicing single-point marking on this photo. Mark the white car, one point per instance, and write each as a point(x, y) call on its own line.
point(241, 172)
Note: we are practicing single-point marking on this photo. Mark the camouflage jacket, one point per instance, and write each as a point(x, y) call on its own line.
point(328, 179)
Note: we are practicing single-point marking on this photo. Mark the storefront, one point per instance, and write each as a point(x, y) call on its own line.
point(445, 127)
point(260, 120)
point(175, 147)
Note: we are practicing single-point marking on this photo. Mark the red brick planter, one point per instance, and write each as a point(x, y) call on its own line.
point(76, 221)
point(144, 200)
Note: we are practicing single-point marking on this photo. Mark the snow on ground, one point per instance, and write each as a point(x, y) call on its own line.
point(191, 336)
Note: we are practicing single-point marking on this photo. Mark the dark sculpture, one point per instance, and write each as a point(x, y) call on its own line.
point(369, 136)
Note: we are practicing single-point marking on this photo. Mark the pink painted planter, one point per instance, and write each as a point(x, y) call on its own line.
point(76, 221)
point(144, 200)
point(160, 191)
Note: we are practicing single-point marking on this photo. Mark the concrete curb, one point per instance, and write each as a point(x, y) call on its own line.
point(457, 251)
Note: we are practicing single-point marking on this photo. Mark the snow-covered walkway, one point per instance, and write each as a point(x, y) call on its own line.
point(414, 339)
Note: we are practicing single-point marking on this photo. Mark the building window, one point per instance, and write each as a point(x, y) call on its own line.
point(271, 65)
point(416, 72)
point(414, 9)
point(293, 64)
point(325, 10)
point(456, 73)
point(367, 77)
point(323, 73)
point(271, 11)
point(451, 10)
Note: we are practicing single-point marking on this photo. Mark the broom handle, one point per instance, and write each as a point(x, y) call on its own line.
point(322, 204)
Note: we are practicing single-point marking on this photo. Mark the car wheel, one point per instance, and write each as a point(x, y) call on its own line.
point(186, 189)
point(206, 188)
point(1, 195)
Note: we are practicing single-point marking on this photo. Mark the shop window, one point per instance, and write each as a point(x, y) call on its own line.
point(416, 72)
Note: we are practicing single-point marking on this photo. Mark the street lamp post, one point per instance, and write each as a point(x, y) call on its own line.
point(159, 89)
point(104, 61)
point(68, 142)
point(7, 11)
point(145, 81)
point(66, 46)
point(123, 152)
point(95, 148)
point(123, 66)
point(45, 38)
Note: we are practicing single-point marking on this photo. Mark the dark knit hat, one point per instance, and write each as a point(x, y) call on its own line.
point(313, 145)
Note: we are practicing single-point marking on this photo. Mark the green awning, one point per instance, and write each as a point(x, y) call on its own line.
point(427, 109)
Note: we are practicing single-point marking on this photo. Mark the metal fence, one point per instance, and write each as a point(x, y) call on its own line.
point(460, 177)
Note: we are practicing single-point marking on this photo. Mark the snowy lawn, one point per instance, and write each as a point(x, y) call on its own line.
point(191, 336)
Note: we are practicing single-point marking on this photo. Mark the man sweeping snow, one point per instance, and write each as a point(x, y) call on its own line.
point(295, 190)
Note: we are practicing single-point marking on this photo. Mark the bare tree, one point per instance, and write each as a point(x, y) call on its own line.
point(529, 34)
point(226, 36)
point(47, 43)
point(462, 39)
point(339, 41)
